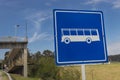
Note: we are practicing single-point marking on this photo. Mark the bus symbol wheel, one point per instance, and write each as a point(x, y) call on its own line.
point(67, 40)
point(88, 40)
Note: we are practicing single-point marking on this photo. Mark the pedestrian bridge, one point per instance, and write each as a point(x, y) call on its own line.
point(13, 42)
point(16, 60)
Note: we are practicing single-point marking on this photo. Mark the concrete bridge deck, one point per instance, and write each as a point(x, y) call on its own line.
point(17, 58)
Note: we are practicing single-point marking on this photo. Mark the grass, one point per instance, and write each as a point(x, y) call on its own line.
point(93, 72)
point(4, 76)
point(101, 71)
point(18, 77)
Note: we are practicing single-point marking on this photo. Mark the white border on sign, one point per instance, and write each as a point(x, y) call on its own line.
point(77, 62)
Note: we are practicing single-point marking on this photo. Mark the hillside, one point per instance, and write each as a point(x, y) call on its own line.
point(114, 58)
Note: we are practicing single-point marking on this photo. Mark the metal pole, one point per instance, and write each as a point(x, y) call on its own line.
point(83, 72)
point(16, 32)
point(26, 31)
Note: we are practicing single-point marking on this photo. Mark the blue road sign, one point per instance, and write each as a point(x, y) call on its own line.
point(79, 37)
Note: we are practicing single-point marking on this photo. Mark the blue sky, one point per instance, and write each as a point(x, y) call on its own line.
point(39, 17)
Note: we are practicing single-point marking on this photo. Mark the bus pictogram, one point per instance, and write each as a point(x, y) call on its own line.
point(79, 35)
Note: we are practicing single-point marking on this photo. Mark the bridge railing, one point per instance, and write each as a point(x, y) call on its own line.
point(13, 39)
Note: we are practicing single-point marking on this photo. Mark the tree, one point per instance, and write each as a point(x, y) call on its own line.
point(48, 53)
point(44, 66)
point(38, 53)
point(6, 55)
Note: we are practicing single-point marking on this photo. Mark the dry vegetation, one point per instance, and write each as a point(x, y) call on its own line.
point(103, 72)
point(100, 71)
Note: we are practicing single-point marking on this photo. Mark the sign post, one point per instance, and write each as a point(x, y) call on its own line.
point(79, 37)
point(83, 72)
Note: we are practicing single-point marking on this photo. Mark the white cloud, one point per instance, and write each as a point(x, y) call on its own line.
point(116, 4)
point(95, 1)
point(48, 4)
point(12, 3)
point(37, 19)
point(114, 48)
point(38, 37)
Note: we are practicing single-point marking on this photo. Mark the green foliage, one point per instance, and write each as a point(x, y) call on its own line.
point(44, 66)
point(114, 58)
point(19, 77)
point(48, 53)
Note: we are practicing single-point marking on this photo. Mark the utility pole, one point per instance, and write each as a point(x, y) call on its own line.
point(26, 32)
point(16, 27)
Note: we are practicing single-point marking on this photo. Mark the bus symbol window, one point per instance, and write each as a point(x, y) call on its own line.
point(79, 35)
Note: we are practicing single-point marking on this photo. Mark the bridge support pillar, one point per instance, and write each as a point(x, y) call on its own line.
point(25, 73)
